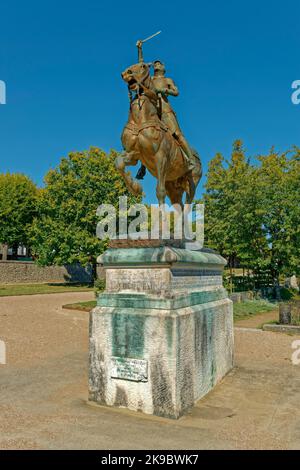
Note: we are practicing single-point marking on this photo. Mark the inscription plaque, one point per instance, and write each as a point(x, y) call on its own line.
point(129, 369)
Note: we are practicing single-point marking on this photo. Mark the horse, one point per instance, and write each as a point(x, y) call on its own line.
point(145, 138)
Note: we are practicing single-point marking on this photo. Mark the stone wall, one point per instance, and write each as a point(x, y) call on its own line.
point(27, 271)
point(238, 297)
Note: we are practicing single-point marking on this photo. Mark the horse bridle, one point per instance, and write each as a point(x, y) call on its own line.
point(140, 85)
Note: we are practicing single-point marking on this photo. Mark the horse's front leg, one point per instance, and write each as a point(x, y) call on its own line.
point(121, 162)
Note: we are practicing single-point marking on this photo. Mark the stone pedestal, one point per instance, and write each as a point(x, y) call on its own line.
point(161, 336)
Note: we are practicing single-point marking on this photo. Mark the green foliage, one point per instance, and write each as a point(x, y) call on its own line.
point(65, 229)
point(252, 212)
point(18, 195)
point(99, 285)
point(81, 306)
point(288, 293)
point(279, 179)
point(250, 308)
point(47, 288)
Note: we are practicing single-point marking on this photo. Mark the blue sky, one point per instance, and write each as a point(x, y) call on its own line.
point(234, 63)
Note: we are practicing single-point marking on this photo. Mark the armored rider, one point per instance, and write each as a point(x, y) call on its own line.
point(164, 87)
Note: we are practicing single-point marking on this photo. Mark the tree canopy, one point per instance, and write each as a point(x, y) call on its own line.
point(252, 211)
point(18, 196)
point(65, 229)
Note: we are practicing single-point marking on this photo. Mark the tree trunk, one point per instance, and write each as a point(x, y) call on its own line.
point(15, 251)
point(4, 251)
point(230, 266)
point(285, 313)
point(94, 271)
point(276, 284)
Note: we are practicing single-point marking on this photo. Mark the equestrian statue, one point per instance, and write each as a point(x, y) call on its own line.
point(153, 136)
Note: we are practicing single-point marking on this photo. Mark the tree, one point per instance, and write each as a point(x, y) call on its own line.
point(279, 178)
point(18, 200)
point(65, 230)
point(252, 212)
point(293, 185)
point(231, 210)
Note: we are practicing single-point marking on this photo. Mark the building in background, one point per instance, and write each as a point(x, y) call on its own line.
point(16, 253)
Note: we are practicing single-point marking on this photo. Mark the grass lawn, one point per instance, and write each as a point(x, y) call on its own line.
point(241, 311)
point(47, 288)
point(83, 306)
point(251, 308)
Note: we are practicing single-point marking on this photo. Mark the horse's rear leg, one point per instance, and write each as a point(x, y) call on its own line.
point(193, 181)
point(192, 184)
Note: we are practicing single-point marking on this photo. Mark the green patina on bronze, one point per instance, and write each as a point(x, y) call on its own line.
point(169, 325)
point(211, 370)
point(161, 256)
point(145, 301)
point(128, 335)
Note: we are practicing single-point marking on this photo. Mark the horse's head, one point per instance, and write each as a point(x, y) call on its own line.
point(135, 74)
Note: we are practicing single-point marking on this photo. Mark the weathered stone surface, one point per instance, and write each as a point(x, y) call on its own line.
point(285, 313)
point(173, 320)
point(238, 297)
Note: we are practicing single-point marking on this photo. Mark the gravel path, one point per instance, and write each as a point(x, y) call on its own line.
point(43, 390)
point(257, 320)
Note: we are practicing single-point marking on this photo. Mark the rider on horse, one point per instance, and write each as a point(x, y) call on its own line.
point(164, 87)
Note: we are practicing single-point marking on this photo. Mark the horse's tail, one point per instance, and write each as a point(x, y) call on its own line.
point(186, 183)
point(198, 165)
point(193, 178)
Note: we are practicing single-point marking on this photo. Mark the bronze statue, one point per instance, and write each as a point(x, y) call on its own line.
point(152, 136)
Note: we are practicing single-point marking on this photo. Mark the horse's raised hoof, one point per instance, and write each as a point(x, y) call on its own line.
point(136, 188)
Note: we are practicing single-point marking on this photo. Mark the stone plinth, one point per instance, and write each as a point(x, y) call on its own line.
point(161, 336)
